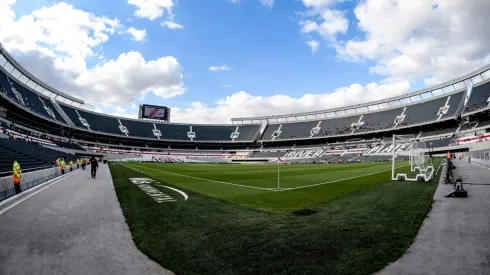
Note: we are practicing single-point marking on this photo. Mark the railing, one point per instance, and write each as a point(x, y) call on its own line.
point(11, 192)
point(8, 173)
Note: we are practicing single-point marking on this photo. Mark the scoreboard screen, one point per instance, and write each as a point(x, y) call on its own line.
point(154, 112)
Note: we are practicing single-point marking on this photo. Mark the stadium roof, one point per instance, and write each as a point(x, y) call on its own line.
point(27, 78)
point(458, 83)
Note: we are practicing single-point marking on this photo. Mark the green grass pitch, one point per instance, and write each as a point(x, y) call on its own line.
point(324, 219)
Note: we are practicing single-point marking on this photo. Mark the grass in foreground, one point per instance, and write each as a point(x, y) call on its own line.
point(355, 234)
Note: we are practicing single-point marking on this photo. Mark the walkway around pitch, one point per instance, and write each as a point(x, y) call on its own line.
point(74, 226)
point(454, 238)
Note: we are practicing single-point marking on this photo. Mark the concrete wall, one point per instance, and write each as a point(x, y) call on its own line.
point(7, 182)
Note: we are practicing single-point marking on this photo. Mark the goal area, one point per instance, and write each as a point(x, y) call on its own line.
point(410, 159)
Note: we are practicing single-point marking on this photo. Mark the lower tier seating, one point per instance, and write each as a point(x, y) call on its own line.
point(29, 155)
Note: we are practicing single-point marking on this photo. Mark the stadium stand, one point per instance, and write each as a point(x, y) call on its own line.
point(29, 155)
point(360, 126)
point(438, 142)
point(138, 128)
point(450, 130)
point(68, 145)
point(479, 97)
point(218, 133)
point(442, 107)
point(32, 101)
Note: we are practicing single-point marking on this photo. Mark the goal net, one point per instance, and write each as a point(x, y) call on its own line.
point(410, 160)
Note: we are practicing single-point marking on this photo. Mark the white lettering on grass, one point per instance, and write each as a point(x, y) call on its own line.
point(156, 194)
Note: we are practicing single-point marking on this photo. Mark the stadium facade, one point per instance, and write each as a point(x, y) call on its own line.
point(450, 114)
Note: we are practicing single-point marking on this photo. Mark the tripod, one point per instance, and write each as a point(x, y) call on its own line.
point(458, 190)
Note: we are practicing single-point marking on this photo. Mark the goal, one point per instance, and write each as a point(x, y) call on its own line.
point(410, 161)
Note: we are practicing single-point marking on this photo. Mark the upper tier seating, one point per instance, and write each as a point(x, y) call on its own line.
point(379, 120)
point(220, 133)
point(145, 129)
point(297, 129)
point(247, 132)
point(424, 112)
point(138, 128)
point(478, 98)
point(414, 114)
point(101, 123)
point(34, 102)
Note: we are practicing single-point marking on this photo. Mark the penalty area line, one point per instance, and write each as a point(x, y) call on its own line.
point(333, 181)
point(222, 182)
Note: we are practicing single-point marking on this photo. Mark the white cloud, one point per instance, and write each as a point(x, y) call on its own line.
point(55, 44)
point(319, 4)
point(242, 104)
point(171, 25)
point(267, 3)
point(314, 45)
point(219, 68)
point(327, 23)
point(131, 75)
point(227, 86)
point(152, 9)
point(437, 40)
point(133, 106)
point(63, 28)
point(120, 109)
point(138, 35)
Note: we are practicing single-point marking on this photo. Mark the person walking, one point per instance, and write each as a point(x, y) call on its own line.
point(71, 165)
point(93, 166)
point(16, 175)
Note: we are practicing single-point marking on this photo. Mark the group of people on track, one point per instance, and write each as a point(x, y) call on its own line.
point(60, 162)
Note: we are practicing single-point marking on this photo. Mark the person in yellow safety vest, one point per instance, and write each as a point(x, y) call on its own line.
point(58, 162)
point(71, 165)
point(78, 163)
point(16, 175)
point(62, 165)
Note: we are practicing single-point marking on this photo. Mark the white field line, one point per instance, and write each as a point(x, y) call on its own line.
point(223, 182)
point(270, 189)
point(176, 190)
point(333, 181)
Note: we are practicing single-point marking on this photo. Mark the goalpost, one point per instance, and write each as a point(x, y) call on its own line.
point(410, 161)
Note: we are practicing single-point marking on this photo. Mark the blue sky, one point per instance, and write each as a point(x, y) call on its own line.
point(266, 51)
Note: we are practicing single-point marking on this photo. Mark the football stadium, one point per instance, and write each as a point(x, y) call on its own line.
point(397, 185)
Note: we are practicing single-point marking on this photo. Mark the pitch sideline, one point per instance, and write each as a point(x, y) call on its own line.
point(262, 188)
